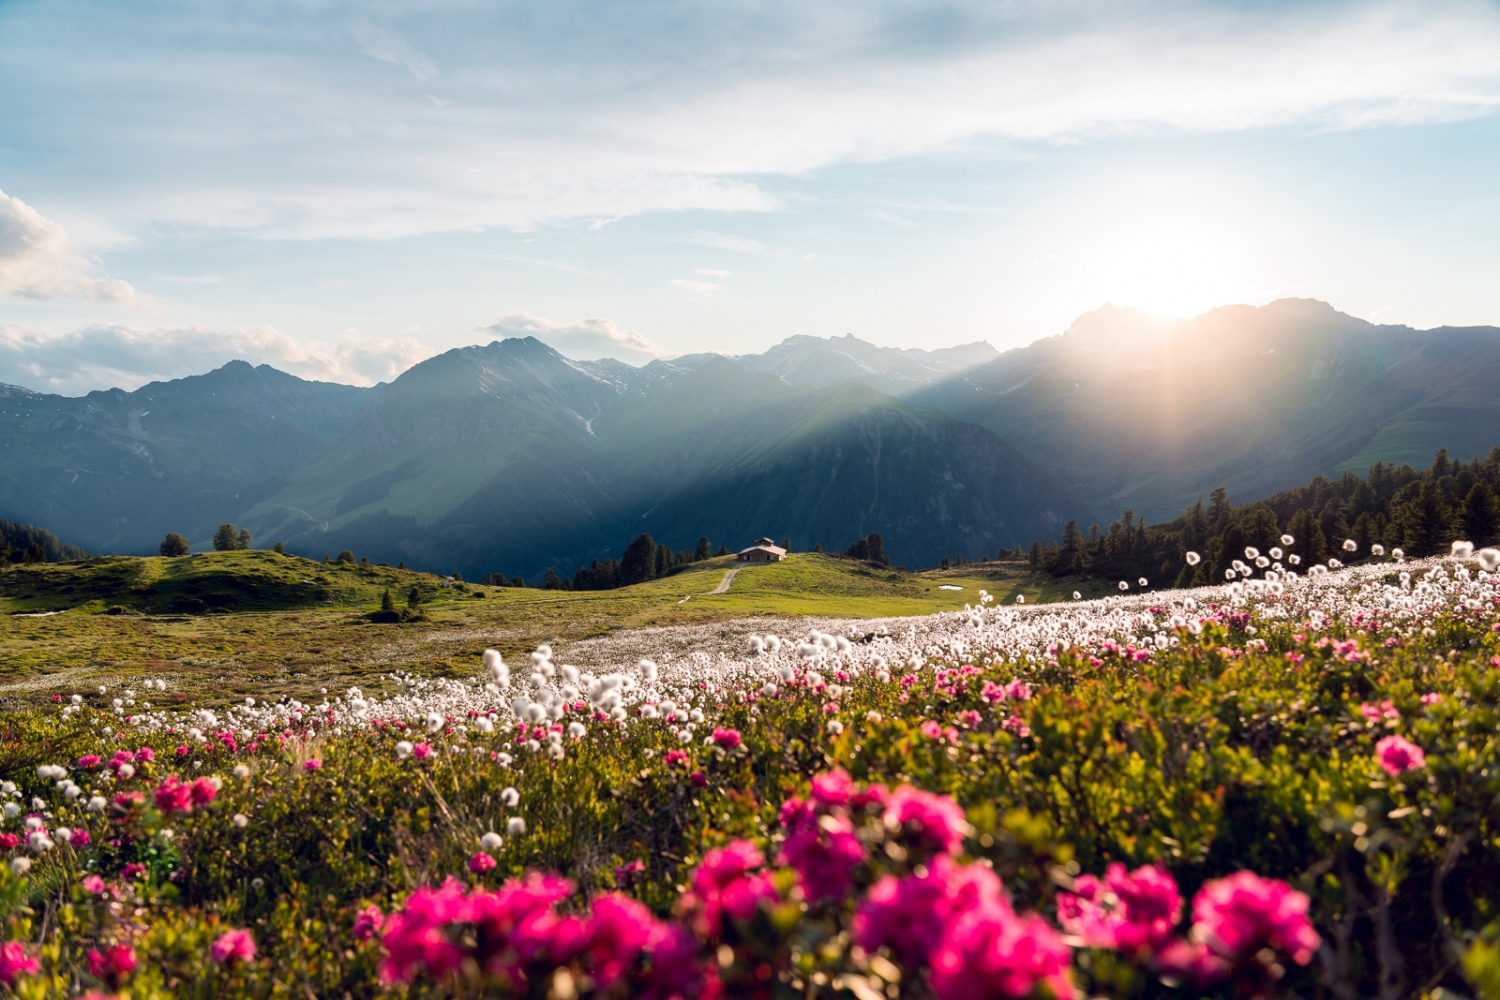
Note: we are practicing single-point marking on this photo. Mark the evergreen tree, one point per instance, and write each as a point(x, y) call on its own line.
point(703, 549)
point(226, 539)
point(413, 598)
point(1479, 518)
point(346, 557)
point(174, 545)
point(242, 540)
point(387, 602)
point(638, 563)
point(280, 549)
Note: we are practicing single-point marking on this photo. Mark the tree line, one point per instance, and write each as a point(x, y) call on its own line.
point(1421, 512)
point(26, 543)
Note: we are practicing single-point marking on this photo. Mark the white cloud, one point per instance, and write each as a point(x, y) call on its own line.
point(276, 125)
point(37, 261)
point(698, 289)
point(711, 272)
point(584, 340)
point(101, 357)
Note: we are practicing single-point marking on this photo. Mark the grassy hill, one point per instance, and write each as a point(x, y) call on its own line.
point(237, 621)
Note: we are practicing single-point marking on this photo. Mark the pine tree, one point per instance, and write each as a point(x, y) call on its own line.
point(413, 598)
point(387, 602)
point(639, 561)
point(1479, 517)
point(701, 552)
point(174, 545)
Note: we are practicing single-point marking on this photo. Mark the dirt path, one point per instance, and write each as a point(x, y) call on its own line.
point(723, 587)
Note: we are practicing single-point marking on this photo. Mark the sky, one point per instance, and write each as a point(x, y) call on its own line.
point(343, 189)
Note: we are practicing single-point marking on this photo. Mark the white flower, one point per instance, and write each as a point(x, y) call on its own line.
point(434, 722)
point(577, 730)
point(403, 749)
point(20, 865)
point(873, 717)
point(96, 805)
point(1142, 582)
point(1489, 559)
point(1124, 585)
point(510, 798)
point(241, 820)
point(515, 826)
point(241, 771)
point(835, 727)
point(1192, 558)
point(1463, 550)
point(768, 689)
point(490, 842)
point(1350, 545)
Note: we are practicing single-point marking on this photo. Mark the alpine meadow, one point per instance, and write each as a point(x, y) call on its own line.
point(599, 501)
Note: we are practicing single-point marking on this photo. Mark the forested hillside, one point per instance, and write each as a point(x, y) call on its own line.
point(1396, 507)
point(24, 543)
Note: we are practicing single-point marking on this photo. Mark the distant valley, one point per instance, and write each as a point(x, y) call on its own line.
point(512, 458)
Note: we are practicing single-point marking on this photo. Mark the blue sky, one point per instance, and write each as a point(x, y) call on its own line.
point(343, 189)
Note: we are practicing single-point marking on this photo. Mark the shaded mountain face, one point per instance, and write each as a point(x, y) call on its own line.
point(1135, 411)
point(512, 458)
point(114, 471)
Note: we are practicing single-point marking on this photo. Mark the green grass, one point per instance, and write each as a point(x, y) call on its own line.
point(243, 622)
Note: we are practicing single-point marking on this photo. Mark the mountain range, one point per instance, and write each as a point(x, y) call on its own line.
point(511, 458)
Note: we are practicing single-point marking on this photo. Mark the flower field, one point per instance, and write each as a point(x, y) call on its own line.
point(1288, 784)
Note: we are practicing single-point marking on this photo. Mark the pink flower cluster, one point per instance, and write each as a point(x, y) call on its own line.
point(1129, 911)
point(821, 843)
point(729, 884)
point(176, 795)
point(956, 922)
point(1397, 755)
point(515, 937)
point(1235, 921)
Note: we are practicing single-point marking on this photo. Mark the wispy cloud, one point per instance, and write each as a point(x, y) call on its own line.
point(696, 289)
point(126, 357)
point(38, 261)
point(711, 272)
point(585, 339)
point(726, 241)
point(277, 126)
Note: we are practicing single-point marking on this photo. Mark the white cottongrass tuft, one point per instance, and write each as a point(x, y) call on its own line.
point(404, 749)
point(1489, 559)
point(1192, 558)
point(490, 842)
point(1463, 550)
point(1350, 545)
point(515, 826)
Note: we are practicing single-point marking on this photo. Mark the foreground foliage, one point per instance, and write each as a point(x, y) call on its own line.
point(1290, 786)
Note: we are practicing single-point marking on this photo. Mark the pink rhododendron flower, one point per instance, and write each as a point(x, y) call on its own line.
point(515, 930)
point(1432, 698)
point(625, 874)
point(173, 796)
point(480, 863)
point(145, 754)
point(231, 947)
point(114, 965)
point(726, 738)
point(1239, 915)
point(726, 883)
point(93, 885)
point(908, 915)
point(367, 922)
point(989, 952)
point(88, 761)
point(1132, 911)
point(1396, 755)
point(312, 764)
point(421, 751)
point(932, 821)
point(677, 758)
point(825, 853)
point(832, 789)
point(8, 841)
point(203, 792)
point(14, 962)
